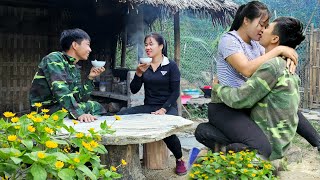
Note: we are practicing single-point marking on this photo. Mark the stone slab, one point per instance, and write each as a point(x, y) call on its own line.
point(136, 128)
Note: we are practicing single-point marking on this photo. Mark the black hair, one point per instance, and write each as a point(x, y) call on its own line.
point(289, 30)
point(251, 10)
point(160, 39)
point(70, 35)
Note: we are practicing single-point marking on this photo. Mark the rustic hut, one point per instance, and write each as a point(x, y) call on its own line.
point(30, 29)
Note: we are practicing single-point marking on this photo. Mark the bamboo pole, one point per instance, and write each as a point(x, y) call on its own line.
point(177, 53)
point(311, 67)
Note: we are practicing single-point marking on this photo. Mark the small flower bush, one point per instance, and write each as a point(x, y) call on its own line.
point(30, 148)
point(241, 165)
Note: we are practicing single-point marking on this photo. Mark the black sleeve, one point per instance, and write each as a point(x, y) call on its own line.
point(174, 85)
point(136, 84)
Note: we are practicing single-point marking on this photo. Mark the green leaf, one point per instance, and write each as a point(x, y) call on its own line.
point(16, 160)
point(8, 168)
point(87, 172)
point(101, 149)
point(66, 174)
point(38, 172)
point(60, 156)
point(28, 143)
point(60, 141)
point(80, 175)
point(103, 125)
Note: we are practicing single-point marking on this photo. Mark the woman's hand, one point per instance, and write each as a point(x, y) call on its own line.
point(161, 111)
point(290, 53)
point(95, 71)
point(141, 69)
point(291, 66)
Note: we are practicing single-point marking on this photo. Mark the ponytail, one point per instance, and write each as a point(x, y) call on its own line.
point(238, 19)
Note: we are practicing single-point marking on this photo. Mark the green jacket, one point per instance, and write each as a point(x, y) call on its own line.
point(272, 94)
point(58, 84)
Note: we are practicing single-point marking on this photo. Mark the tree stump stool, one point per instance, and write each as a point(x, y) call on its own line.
point(155, 155)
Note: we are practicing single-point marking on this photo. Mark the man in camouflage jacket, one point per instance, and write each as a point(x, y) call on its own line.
point(57, 84)
point(272, 91)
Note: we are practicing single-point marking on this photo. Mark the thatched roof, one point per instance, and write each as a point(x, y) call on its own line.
point(216, 5)
point(217, 9)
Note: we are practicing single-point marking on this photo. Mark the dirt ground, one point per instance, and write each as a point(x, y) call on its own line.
point(307, 169)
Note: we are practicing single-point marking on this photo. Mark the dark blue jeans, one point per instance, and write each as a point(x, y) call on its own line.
point(172, 142)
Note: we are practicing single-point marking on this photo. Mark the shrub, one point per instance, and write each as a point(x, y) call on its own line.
point(31, 148)
point(241, 165)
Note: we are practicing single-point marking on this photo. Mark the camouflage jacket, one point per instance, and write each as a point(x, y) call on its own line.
point(272, 94)
point(58, 81)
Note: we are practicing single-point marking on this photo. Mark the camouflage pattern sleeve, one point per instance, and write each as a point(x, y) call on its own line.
point(59, 81)
point(253, 90)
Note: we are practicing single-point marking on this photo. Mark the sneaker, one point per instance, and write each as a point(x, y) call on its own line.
point(180, 168)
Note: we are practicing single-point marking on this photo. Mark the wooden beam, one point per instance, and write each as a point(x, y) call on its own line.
point(177, 49)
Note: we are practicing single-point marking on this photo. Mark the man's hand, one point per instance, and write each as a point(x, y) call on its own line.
point(161, 111)
point(290, 53)
point(141, 69)
point(87, 118)
point(95, 71)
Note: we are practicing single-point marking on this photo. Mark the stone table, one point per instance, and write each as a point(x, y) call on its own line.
point(131, 131)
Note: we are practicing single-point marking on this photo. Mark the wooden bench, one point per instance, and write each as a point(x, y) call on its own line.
point(131, 131)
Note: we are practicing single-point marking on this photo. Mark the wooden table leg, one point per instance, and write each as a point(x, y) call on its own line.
point(130, 153)
point(155, 155)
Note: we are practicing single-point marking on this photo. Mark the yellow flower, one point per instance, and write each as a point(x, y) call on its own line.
point(30, 116)
point(37, 119)
point(191, 175)
point(245, 170)
point(59, 164)
point(87, 146)
point(123, 162)
point(51, 144)
point(44, 110)
point(231, 152)
point(94, 144)
point(113, 168)
point(196, 172)
point(253, 175)
point(8, 114)
point(217, 170)
point(48, 130)
point(17, 127)
point(64, 110)
point(196, 165)
point(77, 160)
point(38, 104)
point(232, 162)
point(33, 113)
point(75, 122)
point(12, 138)
point(79, 135)
point(41, 155)
point(31, 128)
point(46, 116)
point(267, 166)
point(223, 157)
point(91, 129)
point(221, 153)
point(250, 165)
point(15, 119)
point(117, 117)
point(55, 117)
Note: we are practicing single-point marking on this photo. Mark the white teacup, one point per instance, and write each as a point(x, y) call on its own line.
point(145, 60)
point(96, 63)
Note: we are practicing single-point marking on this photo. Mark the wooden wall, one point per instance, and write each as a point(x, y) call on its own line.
point(21, 48)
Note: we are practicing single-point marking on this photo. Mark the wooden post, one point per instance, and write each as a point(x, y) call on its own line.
point(123, 47)
point(155, 155)
point(177, 54)
point(311, 67)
